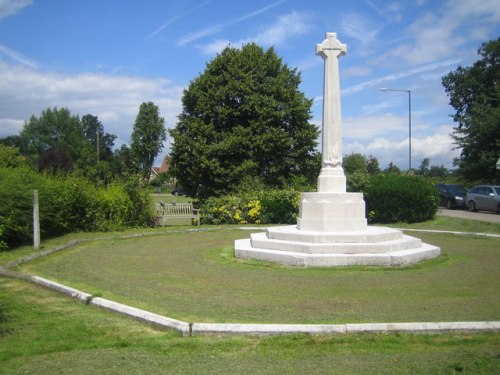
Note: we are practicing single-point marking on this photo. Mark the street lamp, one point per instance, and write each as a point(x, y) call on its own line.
point(409, 120)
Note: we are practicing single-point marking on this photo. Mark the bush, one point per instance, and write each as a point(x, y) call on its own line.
point(358, 182)
point(66, 204)
point(393, 198)
point(262, 207)
point(16, 197)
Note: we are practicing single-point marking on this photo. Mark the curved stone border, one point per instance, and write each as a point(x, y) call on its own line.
point(191, 329)
point(450, 232)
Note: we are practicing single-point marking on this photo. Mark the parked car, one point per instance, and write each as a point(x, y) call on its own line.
point(483, 197)
point(178, 191)
point(451, 196)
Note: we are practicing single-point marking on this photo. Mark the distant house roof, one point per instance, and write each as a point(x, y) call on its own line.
point(164, 166)
point(161, 169)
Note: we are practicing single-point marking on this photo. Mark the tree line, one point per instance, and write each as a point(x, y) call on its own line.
point(60, 142)
point(245, 124)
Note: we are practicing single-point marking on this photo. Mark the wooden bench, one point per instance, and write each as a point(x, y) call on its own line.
point(166, 211)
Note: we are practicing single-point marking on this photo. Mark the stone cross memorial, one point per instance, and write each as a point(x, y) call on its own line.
point(331, 177)
point(332, 228)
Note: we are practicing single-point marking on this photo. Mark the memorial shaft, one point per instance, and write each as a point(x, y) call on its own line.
point(331, 177)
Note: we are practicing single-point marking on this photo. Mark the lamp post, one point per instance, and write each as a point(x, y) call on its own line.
point(409, 120)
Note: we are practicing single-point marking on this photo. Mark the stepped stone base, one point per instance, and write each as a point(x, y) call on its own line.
point(375, 246)
point(332, 231)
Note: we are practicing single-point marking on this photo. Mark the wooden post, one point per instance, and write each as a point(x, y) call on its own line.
point(36, 221)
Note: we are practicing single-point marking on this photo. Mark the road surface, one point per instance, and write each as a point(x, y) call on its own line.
point(491, 217)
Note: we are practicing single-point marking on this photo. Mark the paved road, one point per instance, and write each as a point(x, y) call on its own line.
point(482, 215)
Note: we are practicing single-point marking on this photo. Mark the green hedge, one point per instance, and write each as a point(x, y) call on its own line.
point(262, 207)
point(390, 198)
point(393, 198)
point(66, 204)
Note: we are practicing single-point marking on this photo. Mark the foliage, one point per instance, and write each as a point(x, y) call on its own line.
point(11, 158)
point(101, 143)
point(372, 165)
point(244, 116)
point(123, 162)
point(262, 207)
point(358, 181)
point(67, 204)
point(433, 171)
point(56, 131)
point(147, 137)
point(358, 169)
point(60, 142)
point(355, 163)
point(393, 198)
point(474, 93)
point(392, 168)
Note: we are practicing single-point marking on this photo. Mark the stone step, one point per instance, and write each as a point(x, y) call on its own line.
point(370, 235)
point(243, 249)
point(261, 240)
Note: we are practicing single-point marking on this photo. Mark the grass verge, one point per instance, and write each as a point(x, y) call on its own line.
point(193, 276)
point(42, 332)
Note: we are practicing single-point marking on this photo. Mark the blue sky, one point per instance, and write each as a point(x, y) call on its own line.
point(107, 57)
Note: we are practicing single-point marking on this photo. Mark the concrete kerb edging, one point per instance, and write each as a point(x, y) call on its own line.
point(191, 329)
point(142, 315)
point(450, 232)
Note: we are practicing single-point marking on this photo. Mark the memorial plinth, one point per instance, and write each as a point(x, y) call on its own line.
point(332, 228)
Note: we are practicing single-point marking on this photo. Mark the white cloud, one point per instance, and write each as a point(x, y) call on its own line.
point(16, 56)
point(370, 127)
point(309, 63)
point(355, 71)
point(211, 30)
point(285, 27)
point(177, 18)
point(115, 100)
point(10, 126)
point(359, 27)
point(12, 7)
point(395, 76)
point(444, 33)
point(215, 47)
point(389, 11)
point(386, 137)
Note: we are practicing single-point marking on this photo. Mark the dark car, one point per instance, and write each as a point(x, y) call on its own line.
point(178, 191)
point(451, 196)
point(484, 197)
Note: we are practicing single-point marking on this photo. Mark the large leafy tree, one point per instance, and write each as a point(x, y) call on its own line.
point(474, 92)
point(58, 140)
point(55, 138)
point(101, 143)
point(147, 137)
point(244, 119)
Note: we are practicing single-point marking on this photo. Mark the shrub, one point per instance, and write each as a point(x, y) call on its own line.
point(66, 204)
point(393, 198)
point(262, 207)
point(280, 206)
point(358, 181)
point(16, 197)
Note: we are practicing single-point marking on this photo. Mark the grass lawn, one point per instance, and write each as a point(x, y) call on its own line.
point(193, 276)
point(42, 332)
